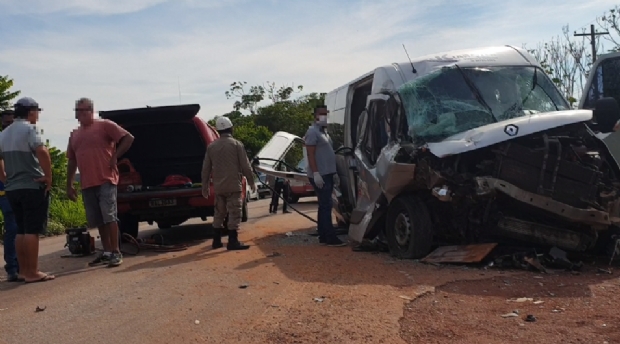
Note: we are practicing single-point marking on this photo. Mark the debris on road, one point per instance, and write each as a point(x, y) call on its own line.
point(3, 309)
point(559, 259)
point(319, 299)
point(243, 286)
point(460, 254)
point(510, 315)
point(404, 297)
point(274, 254)
point(530, 318)
point(39, 309)
point(539, 302)
point(196, 322)
point(605, 271)
point(522, 299)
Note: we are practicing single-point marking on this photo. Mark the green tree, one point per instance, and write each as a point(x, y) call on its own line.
point(5, 94)
point(59, 171)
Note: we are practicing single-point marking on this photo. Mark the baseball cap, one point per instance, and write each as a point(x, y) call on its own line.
point(27, 102)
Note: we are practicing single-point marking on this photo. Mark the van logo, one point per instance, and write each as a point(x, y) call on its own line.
point(511, 130)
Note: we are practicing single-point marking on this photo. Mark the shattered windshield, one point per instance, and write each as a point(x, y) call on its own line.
point(453, 99)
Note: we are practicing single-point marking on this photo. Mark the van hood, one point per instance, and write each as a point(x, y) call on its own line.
point(491, 134)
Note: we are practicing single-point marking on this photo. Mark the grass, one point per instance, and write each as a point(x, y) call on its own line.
point(63, 214)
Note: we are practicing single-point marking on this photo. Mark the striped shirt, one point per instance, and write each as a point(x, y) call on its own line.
point(18, 144)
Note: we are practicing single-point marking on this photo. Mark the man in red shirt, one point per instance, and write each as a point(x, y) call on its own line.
point(94, 148)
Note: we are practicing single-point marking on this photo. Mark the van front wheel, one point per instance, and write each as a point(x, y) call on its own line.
point(409, 228)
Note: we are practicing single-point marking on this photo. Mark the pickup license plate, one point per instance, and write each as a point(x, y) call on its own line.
point(159, 202)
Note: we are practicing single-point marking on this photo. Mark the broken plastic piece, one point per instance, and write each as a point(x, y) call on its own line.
point(460, 254)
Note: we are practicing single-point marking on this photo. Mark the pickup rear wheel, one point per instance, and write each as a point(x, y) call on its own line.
point(409, 228)
point(128, 224)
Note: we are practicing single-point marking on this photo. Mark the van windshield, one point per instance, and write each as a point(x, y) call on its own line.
point(453, 100)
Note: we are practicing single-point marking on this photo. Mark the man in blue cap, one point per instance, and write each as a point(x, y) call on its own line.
point(10, 227)
point(26, 170)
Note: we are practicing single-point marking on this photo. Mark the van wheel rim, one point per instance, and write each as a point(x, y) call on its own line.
point(402, 229)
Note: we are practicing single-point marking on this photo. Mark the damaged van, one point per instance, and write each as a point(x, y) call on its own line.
point(464, 147)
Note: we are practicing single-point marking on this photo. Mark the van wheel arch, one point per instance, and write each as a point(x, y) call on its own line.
point(409, 229)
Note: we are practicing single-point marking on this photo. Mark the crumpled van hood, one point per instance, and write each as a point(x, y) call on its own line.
point(506, 130)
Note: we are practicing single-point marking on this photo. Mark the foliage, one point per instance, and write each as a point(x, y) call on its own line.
point(67, 213)
point(59, 171)
point(5, 95)
point(248, 100)
point(610, 22)
point(566, 60)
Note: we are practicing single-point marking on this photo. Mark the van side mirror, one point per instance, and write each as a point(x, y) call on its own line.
point(606, 114)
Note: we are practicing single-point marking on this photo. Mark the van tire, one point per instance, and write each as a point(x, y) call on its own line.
point(409, 229)
point(128, 224)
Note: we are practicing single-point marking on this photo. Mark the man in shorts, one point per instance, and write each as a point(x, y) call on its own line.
point(94, 148)
point(26, 170)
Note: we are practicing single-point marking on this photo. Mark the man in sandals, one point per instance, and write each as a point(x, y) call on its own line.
point(227, 160)
point(26, 170)
point(94, 148)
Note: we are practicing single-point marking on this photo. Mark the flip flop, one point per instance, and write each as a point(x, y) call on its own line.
point(42, 279)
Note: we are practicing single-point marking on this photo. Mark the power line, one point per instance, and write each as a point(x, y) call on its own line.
point(592, 35)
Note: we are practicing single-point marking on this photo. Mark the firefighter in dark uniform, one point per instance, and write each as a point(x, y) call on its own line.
point(226, 161)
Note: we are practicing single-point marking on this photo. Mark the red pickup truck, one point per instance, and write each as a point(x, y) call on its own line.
point(160, 175)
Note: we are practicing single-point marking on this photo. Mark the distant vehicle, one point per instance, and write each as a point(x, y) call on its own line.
point(251, 195)
point(300, 188)
point(160, 175)
point(261, 187)
point(469, 146)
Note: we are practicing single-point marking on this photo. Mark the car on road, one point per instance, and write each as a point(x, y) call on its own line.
point(300, 188)
point(160, 175)
point(261, 186)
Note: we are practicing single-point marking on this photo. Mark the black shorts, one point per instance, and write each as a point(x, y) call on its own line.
point(31, 209)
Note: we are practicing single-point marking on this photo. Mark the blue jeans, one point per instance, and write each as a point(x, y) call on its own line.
point(10, 231)
point(324, 221)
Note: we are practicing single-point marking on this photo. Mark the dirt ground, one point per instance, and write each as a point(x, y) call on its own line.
point(288, 289)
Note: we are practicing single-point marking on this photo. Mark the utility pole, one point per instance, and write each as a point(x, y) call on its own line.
point(592, 35)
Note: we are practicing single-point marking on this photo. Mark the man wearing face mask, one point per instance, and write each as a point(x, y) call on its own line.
point(321, 170)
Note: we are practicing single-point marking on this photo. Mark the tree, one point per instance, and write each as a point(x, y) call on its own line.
point(610, 22)
point(248, 100)
point(567, 61)
point(59, 170)
point(5, 94)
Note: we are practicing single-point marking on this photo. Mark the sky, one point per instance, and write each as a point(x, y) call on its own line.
point(134, 53)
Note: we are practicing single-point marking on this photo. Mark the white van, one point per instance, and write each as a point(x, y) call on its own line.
point(468, 146)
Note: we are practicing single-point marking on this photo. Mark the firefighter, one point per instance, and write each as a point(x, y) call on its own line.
point(227, 162)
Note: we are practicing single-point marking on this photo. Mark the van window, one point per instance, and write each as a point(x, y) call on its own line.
point(605, 83)
point(453, 100)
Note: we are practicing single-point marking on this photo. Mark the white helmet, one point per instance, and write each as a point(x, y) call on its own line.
point(223, 123)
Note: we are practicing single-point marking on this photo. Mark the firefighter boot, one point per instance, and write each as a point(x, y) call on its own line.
point(217, 238)
point(233, 242)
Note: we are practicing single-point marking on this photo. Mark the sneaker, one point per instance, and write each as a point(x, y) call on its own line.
point(116, 259)
point(101, 259)
point(336, 243)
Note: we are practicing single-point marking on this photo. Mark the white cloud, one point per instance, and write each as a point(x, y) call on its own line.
point(321, 45)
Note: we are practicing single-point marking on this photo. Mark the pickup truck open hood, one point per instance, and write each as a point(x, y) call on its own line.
point(506, 130)
point(159, 114)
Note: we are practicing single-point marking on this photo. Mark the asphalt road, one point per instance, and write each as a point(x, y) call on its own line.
point(155, 297)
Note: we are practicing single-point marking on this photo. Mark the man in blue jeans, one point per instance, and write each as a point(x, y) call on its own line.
point(10, 226)
point(321, 170)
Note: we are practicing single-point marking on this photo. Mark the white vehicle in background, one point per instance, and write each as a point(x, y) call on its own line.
point(464, 147)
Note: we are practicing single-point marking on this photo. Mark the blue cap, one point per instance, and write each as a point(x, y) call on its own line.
point(27, 102)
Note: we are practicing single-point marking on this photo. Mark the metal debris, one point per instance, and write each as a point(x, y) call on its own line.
point(319, 299)
point(243, 286)
point(559, 258)
point(460, 254)
point(40, 309)
point(530, 318)
point(510, 315)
